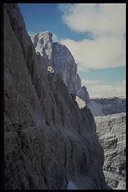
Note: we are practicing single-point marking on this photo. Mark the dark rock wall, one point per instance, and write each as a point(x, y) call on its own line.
point(48, 141)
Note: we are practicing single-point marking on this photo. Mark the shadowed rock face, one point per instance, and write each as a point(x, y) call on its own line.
point(59, 57)
point(48, 140)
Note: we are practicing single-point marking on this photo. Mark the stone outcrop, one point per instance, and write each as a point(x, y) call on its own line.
point(84, 100)
point(64, 64)
point(83, 94)
point(58, 56)
point(80, 102)
point(44, 46)
point(111, 130)
point(48, 140)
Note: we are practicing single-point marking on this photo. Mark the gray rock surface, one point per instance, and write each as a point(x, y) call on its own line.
point(48, 140)
point(80, 102)
point(83, 94)
point(111, 130)
point(44, 46)
point(64, 64)
point(95, 108)
point(102, 106)
point(111, 105)
point(84, 100)
point(59, 57)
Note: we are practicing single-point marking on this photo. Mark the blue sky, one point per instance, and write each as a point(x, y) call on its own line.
point(94, 37)
point(108, 75)
point(47, 17)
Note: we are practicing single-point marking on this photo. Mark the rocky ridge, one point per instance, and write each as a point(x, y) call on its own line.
point(49, 142)
point(58, 56)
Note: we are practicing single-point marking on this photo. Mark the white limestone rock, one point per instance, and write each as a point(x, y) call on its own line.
point(80, 102)
point(50, 69)
point(44, 46)
point(83, 94)
point(65, 65)
point(95, 108)
point(58, 56)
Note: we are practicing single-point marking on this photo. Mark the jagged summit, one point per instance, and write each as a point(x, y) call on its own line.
point(59, 57)
point(44, 36)
point(43, 44)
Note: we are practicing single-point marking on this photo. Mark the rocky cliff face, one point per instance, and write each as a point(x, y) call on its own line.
point(83, 94)
point(58, 56)
point(48, 140)
point(111, 130)
point(84, 100)
point(44, 46)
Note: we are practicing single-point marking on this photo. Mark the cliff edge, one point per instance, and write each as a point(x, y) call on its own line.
point(48, 140)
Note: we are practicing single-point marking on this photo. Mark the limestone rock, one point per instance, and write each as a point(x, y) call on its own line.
point(48, 140)
point(50, 69)
point(83, 94)
point(111, 130)
point(95, 108)
point(59, 57)
point(80, 102)
point(44, 46)
point(102, 106)
point(65, 65)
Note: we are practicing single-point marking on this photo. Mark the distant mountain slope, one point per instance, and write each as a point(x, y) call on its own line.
point(96, 108)
point(101, 106)
point(58, 56)
point(111, 105)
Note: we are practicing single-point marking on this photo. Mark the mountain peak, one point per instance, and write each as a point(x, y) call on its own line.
point(58, 56)
point(45, 34)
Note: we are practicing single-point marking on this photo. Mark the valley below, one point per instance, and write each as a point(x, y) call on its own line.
point(111, 130)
